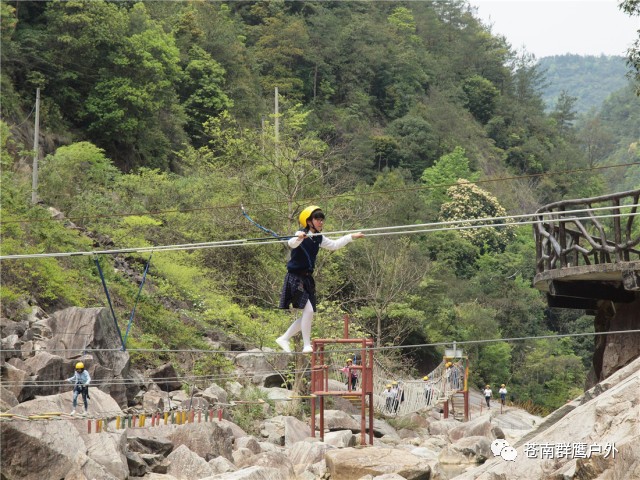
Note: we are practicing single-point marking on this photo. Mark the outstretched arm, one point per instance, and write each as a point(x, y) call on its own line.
point(341, 242)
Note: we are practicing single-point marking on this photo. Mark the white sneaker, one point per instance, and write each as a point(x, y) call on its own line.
point(307, 349)
point(73, 412)
point(284, 344)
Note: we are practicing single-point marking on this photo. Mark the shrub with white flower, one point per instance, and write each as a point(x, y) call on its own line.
point(468, 201)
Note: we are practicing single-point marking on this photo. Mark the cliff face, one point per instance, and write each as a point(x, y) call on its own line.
point(615, 351)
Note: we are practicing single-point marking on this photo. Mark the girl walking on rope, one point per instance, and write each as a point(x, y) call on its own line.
point(299, 288)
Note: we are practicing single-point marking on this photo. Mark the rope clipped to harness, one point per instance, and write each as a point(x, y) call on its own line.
point(264, 229)
point(274, 234)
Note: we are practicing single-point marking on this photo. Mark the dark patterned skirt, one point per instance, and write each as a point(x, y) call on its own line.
point(296, 290)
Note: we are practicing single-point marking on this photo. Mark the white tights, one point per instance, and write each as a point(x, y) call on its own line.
point(302, 323)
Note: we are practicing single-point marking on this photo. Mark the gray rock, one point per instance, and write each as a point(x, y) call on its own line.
point(137, 465)
point(149, 444)
point(263, 369)
point(340, 438)
point(209, 440)
point(353, 463)
point(187, 465)
point(308, 453)
point(248, 442)
point(221, 465)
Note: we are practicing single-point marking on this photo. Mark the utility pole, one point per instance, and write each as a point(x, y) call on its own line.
point(277, 115)
point(36, 151)
point(277, 122)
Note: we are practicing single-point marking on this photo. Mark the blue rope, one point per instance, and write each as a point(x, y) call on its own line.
point(104, 285)
point(270, 232)
point(133, 312)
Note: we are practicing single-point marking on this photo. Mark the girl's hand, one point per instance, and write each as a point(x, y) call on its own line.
point(357, 235)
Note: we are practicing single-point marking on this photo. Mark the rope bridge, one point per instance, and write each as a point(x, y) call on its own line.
point(393, 395)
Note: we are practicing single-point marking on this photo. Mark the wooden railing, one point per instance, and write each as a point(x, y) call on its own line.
point(603, 232)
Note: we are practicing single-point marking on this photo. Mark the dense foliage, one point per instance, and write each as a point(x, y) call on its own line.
point(158, 124)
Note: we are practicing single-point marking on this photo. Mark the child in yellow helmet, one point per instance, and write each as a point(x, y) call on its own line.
point(299, 287)
point(81, 380)
point(351, 374)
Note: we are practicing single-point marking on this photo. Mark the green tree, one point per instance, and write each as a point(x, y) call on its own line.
point(480, 97)
point(279, 53)
point(564, 113)
point(383, 274)
point(202, 91)
point(75, 177)
point(632, 8)
point(445, 171)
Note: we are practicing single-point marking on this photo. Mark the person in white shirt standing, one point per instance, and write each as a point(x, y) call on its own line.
point(487, 395)
point(503, 394)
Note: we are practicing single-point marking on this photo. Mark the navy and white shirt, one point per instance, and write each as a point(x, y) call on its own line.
point(305, 251)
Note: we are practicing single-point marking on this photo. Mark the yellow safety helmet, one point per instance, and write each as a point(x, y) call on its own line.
point(488, 386)
point(394, 383)
point(79, 366)
point(425, 378)
point(306, 214)
point(503, 385)
point(388, 385)
point(448, 364)
point(349, 359)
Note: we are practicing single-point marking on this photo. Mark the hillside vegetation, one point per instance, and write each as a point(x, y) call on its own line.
point(591, 79)
point(158, 123)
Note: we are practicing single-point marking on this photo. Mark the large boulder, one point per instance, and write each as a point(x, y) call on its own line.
point(17, 381)
point(38, 450)
point(308, 453)
point(77, 330)
point(207, 439)
point(187, 465)
point(337, 420)
point(353, 463)
point(468, 450)
point(47, 371)
point(60, 448)
point(7, 399)
point(479, 427)
point(250, 473)
point(284, 430)
point(166, 377)
point(276, 460)
point(264, 370)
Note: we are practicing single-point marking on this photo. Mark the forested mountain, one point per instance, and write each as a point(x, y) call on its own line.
point(158, 122)
point(588, 78)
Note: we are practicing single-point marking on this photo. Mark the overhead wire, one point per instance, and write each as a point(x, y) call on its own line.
point(345, 349)
point(318, 199)
point(454, 225)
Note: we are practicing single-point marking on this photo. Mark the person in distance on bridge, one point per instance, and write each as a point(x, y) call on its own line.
point(428, 389)
point(350, 373)
point(81, 380)
point(503, 393)
point(487, 395)
point(299, 288)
